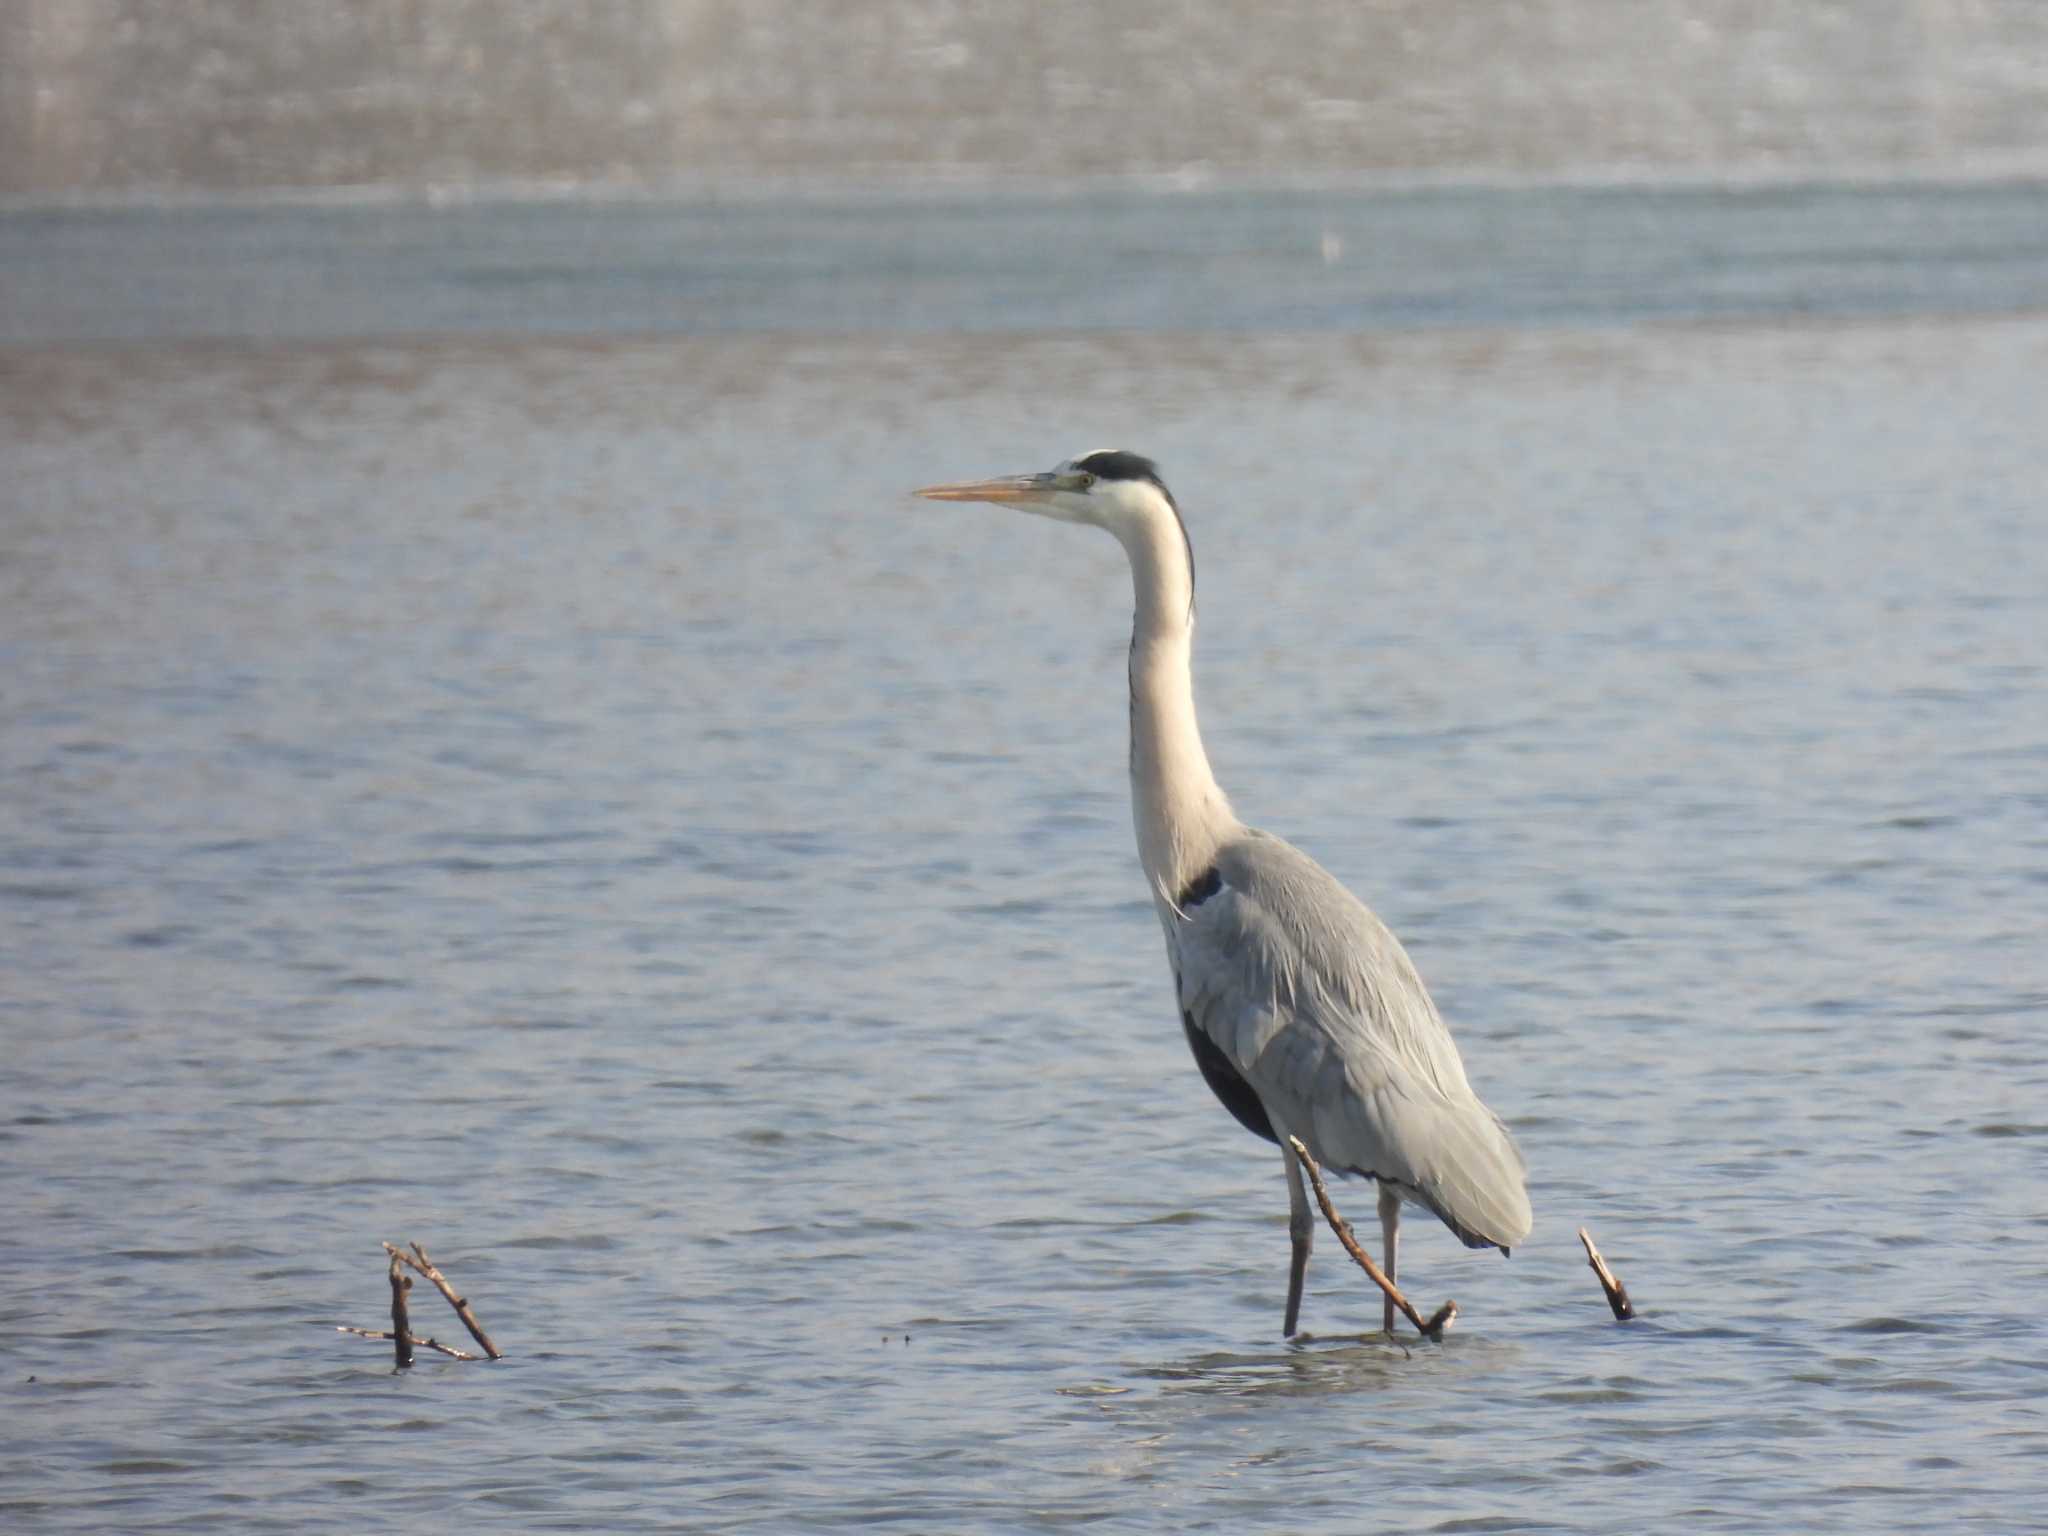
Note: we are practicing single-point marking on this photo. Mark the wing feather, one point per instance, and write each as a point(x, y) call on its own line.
point(1314, 1002)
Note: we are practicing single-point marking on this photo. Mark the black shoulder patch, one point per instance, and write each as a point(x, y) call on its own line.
point(1199, 889)
point(1120, 464)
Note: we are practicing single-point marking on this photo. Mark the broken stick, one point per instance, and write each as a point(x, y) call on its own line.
point(401, 1328)
point(418, 1260)
point(1617, 1293)
point(1434, 1327)
point(403, 1340)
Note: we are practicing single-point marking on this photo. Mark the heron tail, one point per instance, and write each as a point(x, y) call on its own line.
point(1454, 1157)
point(1476, 1181)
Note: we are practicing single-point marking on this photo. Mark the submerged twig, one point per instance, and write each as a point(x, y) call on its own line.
point(1617, 1293)
point(417, 1342)
point(418, 1260)
point(1433, 1328)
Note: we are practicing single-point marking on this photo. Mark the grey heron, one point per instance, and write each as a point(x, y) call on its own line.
point(1304, 1013)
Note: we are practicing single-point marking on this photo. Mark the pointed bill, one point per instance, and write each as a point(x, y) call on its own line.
point(1004, 488)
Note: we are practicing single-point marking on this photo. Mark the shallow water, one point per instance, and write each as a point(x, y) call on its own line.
point(562, 802)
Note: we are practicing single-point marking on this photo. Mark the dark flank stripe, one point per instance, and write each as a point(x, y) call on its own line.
point(1226, 1082)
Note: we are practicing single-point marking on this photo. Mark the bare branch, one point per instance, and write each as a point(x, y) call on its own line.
point(418, 1260)
point(403, 1340)
point(1617, 1293)
point(1434, 1327)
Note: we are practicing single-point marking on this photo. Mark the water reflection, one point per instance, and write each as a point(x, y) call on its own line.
point(1307, 1367)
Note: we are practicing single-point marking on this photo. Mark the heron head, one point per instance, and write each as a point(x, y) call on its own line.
point(1110, 488)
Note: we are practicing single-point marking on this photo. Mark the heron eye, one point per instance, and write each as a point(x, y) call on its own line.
point(1086, 479)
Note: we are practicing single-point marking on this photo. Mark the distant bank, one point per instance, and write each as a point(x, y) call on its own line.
point(109, 98)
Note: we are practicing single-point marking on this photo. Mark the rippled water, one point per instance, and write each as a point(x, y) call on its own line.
point(561, 802)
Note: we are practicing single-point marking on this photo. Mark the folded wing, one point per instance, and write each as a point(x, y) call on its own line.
point(1311, 1000)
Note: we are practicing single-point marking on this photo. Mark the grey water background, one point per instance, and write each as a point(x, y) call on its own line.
point(559, 800)
point(493, 756)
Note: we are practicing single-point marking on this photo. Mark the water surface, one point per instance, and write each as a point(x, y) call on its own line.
point(1134, 254)
point(560, 801)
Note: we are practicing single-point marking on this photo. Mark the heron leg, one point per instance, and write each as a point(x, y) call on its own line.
point(1301, 1231)
point(1390, 1235)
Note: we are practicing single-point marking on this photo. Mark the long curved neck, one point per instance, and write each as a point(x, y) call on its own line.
point(1181, 814)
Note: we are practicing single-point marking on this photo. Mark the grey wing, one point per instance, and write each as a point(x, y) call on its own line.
point(1313, 1002)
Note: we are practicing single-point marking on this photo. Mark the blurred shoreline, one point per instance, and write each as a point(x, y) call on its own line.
point(936, 184)
point(1124, 255)
point(133, 100)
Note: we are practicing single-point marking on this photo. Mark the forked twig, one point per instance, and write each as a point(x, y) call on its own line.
point(1434, 1327)
point(1617, 1293)
point(418, 1260)
point(403, 1340)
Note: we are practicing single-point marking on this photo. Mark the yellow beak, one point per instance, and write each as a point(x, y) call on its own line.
point(1005, 488)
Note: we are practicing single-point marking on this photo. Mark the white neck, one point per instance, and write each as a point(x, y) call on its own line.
point(1182, 816)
